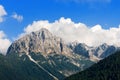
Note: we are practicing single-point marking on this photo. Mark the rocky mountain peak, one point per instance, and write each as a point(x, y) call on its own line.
point(42, 34)
point(40, 41)
point(45, 42)
point(103, 46)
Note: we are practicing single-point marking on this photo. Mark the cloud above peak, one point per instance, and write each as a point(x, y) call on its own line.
point(2, 13)
point(71, 31)
point(4, 43)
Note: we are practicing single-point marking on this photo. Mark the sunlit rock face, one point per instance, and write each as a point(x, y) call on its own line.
point(41, 41)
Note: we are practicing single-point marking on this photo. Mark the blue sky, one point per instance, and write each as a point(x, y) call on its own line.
point(106, 13)
point(20, 13)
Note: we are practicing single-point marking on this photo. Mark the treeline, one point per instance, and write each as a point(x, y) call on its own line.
point(106, 69)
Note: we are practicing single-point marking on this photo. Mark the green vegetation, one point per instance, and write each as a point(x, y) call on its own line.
point(107, 69)
point(16, 67)
point(13, 67)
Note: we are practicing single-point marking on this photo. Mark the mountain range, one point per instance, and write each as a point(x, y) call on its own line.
point(93, 53)
point(41, 55)
point(45, 42)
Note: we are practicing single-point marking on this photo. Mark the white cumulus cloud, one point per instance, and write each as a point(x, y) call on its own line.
point(71, 31)
point(17, 17)
point(4, 43)
point(2, 13)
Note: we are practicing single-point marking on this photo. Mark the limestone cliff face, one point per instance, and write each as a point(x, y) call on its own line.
point(41, 41)
point(50, 53)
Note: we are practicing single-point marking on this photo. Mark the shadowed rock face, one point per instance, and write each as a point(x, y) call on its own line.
point(41, 41)
point(94, 53)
